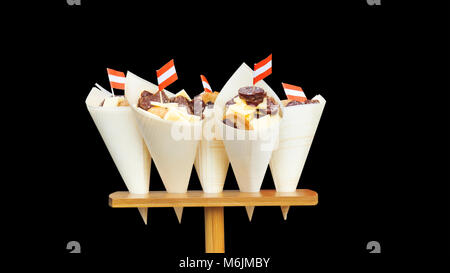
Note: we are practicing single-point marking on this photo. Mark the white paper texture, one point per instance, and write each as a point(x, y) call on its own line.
point(296, 135)
point(211, 161)
point(249, 151)
point(119, 131)
point(173, 157)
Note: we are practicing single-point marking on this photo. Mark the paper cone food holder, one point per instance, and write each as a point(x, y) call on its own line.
point(249, 151)
point(173, 155)
point(297, 132)
point(211, 161)
point(118, 129)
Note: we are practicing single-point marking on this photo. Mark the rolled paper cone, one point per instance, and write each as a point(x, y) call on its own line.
point(249, 151)
point(297, 131)
point(119, 131)
point(144, 214)
point(250, 210)
point(173, 158)
point(173, 145)
point(179, 213)
point(284, 211)
point(211, 161)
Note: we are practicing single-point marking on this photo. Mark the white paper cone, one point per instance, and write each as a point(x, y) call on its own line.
point(173, 156)
point(284, 211)
point(297, 131)
point(119, 131)
point(296, 135)
point(144, 214)
point(179, 213)
point(211, 162)
point(250, 210)
point(249, 151)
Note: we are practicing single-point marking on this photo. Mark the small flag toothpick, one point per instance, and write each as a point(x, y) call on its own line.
point(206, 85)
point(294, 92)
point(262, 69)
point(116, 79)
point(166, 75)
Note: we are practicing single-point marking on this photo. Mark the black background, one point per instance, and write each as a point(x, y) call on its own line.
point(377, 160)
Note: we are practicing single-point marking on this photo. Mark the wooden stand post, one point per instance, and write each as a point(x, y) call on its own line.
point(213, 204)
point(214, 230)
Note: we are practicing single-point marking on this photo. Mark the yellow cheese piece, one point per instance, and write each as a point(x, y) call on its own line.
point(166, 105)
point(180, 114)
point(239, 101)
point(159, 111)
point(114, 101)
point(262, 105)
point(174, 115)
point(240, 121)
point(240, 109)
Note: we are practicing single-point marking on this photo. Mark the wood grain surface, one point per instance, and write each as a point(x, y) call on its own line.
point(214, 230)
point(227, 198)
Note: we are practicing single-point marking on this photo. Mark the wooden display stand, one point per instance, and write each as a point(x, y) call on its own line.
point(213, 204)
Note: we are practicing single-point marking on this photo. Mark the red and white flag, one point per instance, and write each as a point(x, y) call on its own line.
point(116, 79)
point(262, 69)
point(206, 85)
point(166, 75)
point(294, 92)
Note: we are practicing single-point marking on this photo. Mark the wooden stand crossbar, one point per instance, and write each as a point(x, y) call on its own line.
point(213, 204)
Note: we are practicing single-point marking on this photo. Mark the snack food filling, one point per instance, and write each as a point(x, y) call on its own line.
point(203, 101)
point(147, 97)
point(252, 108)
point(177, 108)
point(114, 101)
